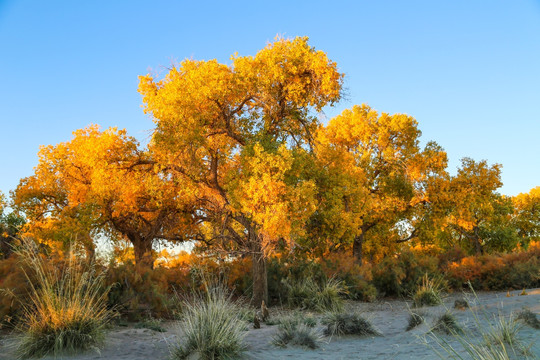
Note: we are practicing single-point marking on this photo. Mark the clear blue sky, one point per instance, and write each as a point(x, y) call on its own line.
point(468, 71)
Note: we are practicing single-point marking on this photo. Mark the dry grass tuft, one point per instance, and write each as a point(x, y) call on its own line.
point(428, 293)
point(66, 311)
point(212, 326)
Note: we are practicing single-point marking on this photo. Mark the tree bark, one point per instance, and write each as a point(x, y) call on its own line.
point(143, 252)
point(357, 248)
point(260, 276)
point(477, 244)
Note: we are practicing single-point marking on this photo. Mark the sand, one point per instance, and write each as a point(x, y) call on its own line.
point(389, 316)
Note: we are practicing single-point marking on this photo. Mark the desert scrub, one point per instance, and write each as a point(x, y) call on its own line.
point(151, 324)
point(428, 293)
point(212, 327)
point(414, 321)
point(447, 324)
point(348, 323)
point(311, 295)
point(293, 331)
point(66, 311)
point(529, 318)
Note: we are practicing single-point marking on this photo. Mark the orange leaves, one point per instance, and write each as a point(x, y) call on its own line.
point(234, 132)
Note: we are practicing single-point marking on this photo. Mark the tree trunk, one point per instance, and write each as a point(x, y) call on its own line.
point(90, 249)
point(357, 248)
point(143, 252)
point(5, 247)
point(477, 244)
point(260, 279)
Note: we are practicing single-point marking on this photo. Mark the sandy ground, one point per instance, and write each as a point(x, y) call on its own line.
point(390, 317)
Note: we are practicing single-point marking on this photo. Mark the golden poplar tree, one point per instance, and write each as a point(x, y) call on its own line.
point(377, 177)
point(236, 131)
point(101, 183)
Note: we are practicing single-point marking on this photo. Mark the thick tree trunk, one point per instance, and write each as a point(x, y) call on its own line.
point(260, 279)
point(357, 248)
point(143, 252)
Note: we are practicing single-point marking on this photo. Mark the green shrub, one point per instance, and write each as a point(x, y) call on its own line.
point(66, 311)
point(356, 278)
point(399, 276)
point(139, 293)
point(211, 326)
point(345, 323)
point(517, 270)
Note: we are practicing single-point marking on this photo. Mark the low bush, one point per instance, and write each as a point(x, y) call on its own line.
point(500, 341)
point(348, 323)
point(356, 279)
point(515, 271)
point(139, 293)
point(399, 276)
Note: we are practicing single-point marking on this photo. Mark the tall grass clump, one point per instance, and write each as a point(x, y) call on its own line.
point(212, 326)
point(66, 310)
point(505, 331)
point(344, 323)
point(428, 293)
point(311, 295)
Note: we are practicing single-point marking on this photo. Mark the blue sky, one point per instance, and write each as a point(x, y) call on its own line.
point(468, 71)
